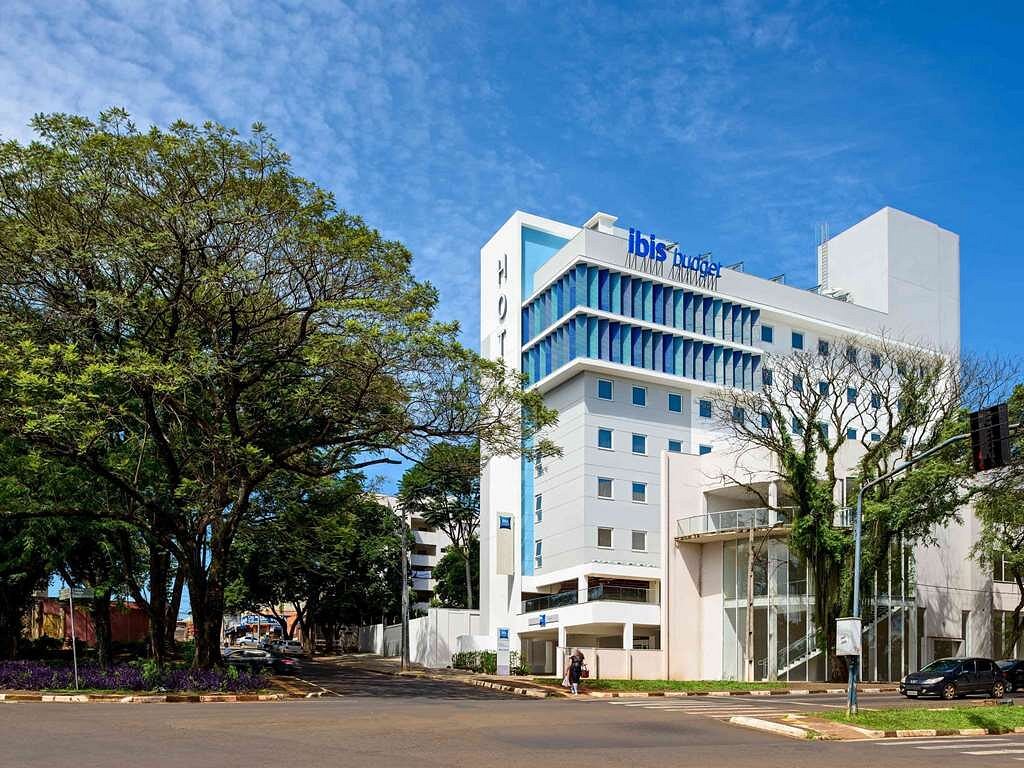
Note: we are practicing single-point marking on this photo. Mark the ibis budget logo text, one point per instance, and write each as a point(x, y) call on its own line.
point(649, 247)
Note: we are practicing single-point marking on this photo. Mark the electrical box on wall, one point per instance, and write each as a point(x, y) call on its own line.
point(506, 545)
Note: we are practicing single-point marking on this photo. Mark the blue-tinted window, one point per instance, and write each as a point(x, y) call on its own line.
point(876, 400)
point(798, 340)
point(851, 434)
point(767, 333)
point(604, 389)
point(875, 437)
point(737, 414)
point(639, 395)
point(824, 429)
point(705, 409)
point(704, 449)
point(823, 387)
point(640, 492)
point(798, 383)
point(851, 395)
point(675, 402)
point(675, 446)
point(639, 443)
point(766, 421)
point(796, 426)
point(822, 347)
point(876, 360)
point(766, 376)
point(604, 438)
point(851, 354)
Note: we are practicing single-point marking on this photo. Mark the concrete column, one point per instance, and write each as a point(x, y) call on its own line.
point(773, 493)
point(550, 667)
point(561, 636)
point(583, 586)
point(627, 636)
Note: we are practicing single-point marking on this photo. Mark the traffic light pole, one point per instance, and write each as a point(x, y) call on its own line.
point(851, 691)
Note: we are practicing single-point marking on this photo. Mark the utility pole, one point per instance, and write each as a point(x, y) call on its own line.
point(750, 601)
point(74, 647)
point(405, 591)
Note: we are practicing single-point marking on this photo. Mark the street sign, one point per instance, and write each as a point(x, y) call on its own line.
point(848, 637)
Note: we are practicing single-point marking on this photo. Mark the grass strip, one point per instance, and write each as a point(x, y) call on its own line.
point(955, 718)
point(654, 686)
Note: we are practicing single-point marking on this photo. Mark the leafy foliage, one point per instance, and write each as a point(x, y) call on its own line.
point(449, 576)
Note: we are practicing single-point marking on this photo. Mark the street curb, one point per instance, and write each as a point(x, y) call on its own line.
point(768, 726)
point(919, 732)
point(170, 698)
point(533, 693)
point(681, 694)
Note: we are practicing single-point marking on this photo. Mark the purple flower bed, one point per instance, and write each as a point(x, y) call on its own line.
point(36, 676)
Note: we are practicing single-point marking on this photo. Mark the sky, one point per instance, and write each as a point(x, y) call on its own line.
point(734, 127)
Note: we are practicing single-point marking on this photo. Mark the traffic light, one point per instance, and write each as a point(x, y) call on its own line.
point(990, 437)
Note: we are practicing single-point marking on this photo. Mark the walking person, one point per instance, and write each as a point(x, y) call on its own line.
point(575, 669)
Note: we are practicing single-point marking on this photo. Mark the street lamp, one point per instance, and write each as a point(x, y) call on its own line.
point(751, 554)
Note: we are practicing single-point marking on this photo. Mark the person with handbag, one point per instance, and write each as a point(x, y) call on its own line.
point(575, 670)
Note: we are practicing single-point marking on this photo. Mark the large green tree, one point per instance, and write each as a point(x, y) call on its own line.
point(849, 412)
point(450, 577)
point(182, 317)
point(444, 489)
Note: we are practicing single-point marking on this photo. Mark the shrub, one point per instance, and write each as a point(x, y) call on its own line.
point(486, 662)
point(37, 676)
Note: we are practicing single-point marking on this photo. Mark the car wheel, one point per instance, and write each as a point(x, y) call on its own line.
point(998, 691)
point(949, 691)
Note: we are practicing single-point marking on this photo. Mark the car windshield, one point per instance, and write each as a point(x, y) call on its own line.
point(942, 665)
point(1005, 663)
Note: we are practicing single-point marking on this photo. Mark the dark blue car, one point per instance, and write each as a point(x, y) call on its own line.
point(952, 678)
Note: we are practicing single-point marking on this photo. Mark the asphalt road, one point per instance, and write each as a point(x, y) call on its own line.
point(376, 720)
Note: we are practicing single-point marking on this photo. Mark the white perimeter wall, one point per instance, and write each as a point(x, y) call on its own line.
point(432, 638)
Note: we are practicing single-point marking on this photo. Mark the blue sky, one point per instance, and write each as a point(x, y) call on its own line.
point(734, 127)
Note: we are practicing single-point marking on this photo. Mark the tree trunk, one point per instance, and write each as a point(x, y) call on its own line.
point(156, 605)
point(206, 591)
point(174, 607)
point(99, 607)
point(469, 580)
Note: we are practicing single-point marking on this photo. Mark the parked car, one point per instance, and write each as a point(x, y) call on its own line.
point(287, 647)
point(951, 678)
point(248, 641)
point(250, 659)
point(283, 665)
point(1013, 671)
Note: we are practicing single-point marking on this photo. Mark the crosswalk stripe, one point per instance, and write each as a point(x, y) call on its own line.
point(961, 745)
point(946, 740)
point(996, 752)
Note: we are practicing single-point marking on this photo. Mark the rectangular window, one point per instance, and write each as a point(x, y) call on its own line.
point(875, 437)
point(604, 438)
point(738, 414)
point(798, 383)
point(876, 400)
point(766, 421)
point(640, 444)
point(703, 450)
point(767, 333)
point(798, 340)
point(705, 409)
point(538, 467)
point(823, 387)
point(766, 376)
point(604, 538)
point(796, 426)
point(876, 360)
point(675, 402)
point(851, 434)
point(851, 395)
point(538, 507)
point(538, 554)
point(822, 347)
point(604, 389)
point(675, 446)
point(639, 541)
point(639, 492)
point(604, 488)
point(640, 396)
point(824, 429)
point(851, 354)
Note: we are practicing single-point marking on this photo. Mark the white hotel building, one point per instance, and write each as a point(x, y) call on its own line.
point(630, 543)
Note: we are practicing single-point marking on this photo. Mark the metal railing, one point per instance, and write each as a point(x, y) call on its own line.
point(796, 653)
point(546, 602)
point(622, 594)
point(734, 520)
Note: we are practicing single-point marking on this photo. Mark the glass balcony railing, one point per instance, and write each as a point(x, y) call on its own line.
point(733, 520)
point(622, 594)
point(547, 602)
